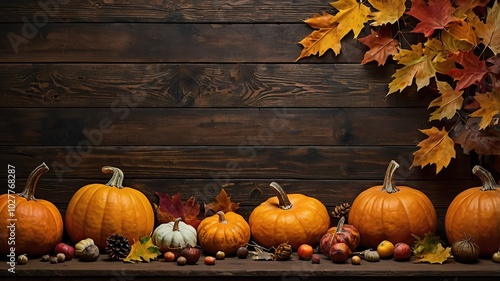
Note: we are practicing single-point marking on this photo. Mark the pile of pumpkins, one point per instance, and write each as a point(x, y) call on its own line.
point(383, 212)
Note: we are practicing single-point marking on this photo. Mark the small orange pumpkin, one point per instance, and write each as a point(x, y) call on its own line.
point(38, 223)
point(223, 232)
point(476, 212)
point(294, 218)
point(387, 212)
point(99, 210)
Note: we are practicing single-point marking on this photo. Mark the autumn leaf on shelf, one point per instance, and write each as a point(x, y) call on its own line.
point(473, 70)
point(490, 106)
point(489, 32)
point(389, 11)
point(435, 15)
point(222, 203)
point(439, 255)
point(426, 244)
point(483, 142)
point(381, 45)
point(448, 102)
point(143, 250)
point(330, 29)
point(171, 208)
point(437, 149)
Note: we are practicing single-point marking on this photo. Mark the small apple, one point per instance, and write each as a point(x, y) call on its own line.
point(192, 254)
point(401, 251)
point(170, 256)
point(209, 260)
point(305, 251)
point(315, 259)
point(66, 249)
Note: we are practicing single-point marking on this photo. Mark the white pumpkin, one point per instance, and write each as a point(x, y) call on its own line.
point(174, 236)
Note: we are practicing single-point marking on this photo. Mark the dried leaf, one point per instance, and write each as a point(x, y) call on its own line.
point(389, 11)
point(434, 15)
point(483, 142)
point(171, 208)
point(143, 250)
point(473, 70)
point(352, 15)
point(439, 255)
point(222, 203)
point(448, 102)
point(260, 255)
point(426, 244)
point(489, 32)
point(437, 149)
point(381, 44)
point(490, 107)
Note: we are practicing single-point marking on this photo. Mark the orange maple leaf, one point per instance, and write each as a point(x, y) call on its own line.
point(381, 45)
point(171, 208)
point(437, 14)
point(473, 70)
point(490, 107)
point(222, 203)
point(389, 11)
point(448, 102)
point(437, 149)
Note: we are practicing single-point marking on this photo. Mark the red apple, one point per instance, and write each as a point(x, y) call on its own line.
point(315, 258)
point(401, 251)
point(66, 249)
point(192, 254)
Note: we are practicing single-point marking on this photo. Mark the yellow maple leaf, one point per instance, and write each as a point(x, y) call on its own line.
point(321, 40)
point(439, 55)
point(448, 102)
point(490, 106)
point(389, 11)
point(143, 250)
point(463, 31)
point(440, 255)
point(454, 45)
point(351, 16)
point(489, 32)
point(437, 149)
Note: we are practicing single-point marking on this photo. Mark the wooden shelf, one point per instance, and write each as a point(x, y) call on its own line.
point(233, 268)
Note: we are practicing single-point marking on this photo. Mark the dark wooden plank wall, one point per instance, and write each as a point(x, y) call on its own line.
point(192, 96)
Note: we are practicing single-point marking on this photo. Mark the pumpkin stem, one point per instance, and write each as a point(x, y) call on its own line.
point(117, 177)
point(284, 202)
point(222, 217)
point(486, 177)
point(340, 224)
point(389, 186)
point(29, 188)
point(176, 224)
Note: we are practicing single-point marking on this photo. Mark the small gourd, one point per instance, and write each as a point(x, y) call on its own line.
point(174, 236)
point(465, 251)
point(342, 233)
point(86, 250)
point(371, 256)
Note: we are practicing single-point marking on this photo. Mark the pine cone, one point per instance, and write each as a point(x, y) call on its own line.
point(117, 246)
point(341, 210)
point(283, 252)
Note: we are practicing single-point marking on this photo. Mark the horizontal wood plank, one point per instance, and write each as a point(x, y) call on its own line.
point(176, 43)
point(202, 85)
point(162, 11)
point(211, 126)
point(234, 162)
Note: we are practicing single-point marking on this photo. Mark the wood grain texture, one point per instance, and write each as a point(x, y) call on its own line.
point(211, 126)
point(153, 42)
point(202, 85)
point(163, 11)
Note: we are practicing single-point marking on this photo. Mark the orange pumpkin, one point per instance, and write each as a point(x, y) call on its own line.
point(36, 224)
point(99, 210)
point(294, 218)
point(387, 212)
point(223, 232)
point(475, 212)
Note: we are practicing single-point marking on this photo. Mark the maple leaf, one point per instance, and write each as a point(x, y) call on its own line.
point(143, 250)
point(389, 11)
point(222, 203)
point(437, 14)
point(448, 102)
point(483, 142)
point(490, 107)
point(489, 32)
point(439, 255)
point(472, 72)
point(381, 45)
point(351, 16)
point(463, 31)
point(437, 149)
point(323, 39)
point(453, 44)
point(171, 208)
point(438, 54)
point(426, 244)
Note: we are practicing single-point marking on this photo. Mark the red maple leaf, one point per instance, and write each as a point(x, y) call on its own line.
point(381, 44)
point(473, 70)
point(171, 208)
point(436, 15)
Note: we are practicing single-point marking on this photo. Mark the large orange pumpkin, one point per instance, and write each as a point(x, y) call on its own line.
point(475, 212)
point(99, 210)
point(34, 225)
point(294, 218)
point(387, 212)
point(223, 232)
